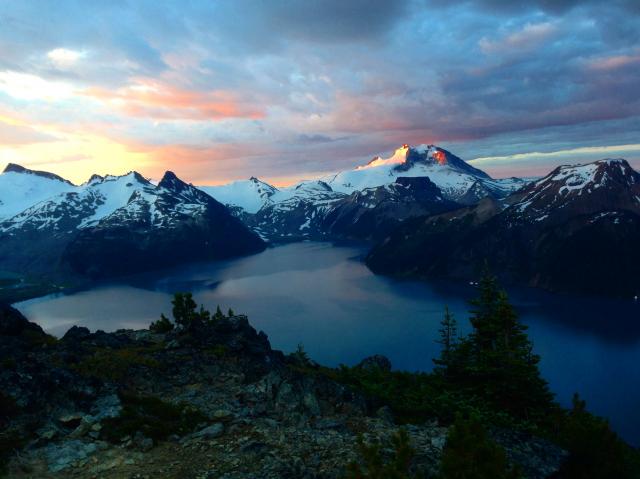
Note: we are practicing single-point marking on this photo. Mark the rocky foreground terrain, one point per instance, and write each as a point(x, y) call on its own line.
point(211, 402)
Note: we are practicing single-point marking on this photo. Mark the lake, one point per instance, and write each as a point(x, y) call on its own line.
point(322, 296)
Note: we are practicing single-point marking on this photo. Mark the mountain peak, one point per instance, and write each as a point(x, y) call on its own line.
point(15, 168)
point(602, 185)
point(170, 180)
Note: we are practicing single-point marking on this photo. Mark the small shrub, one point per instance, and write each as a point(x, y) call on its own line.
point(595, 451)
point(376, 466)
point(470, 454)
point(155, 418)
point(300, 356)
point(115, 364)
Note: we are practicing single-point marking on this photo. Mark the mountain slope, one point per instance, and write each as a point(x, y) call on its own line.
point(115, 225)
point(577, 229)
point(248, 195)
point(374, 212)
point(173, 223)
point(296, 212)
point(21, 188)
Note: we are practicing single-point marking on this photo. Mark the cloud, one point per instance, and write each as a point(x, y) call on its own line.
point(615, 62)
point(63, 58)
point(12, 134)
point(527, 38)
point(24, 86)
point(556, 7)
point(152, 99)
point(283, 88)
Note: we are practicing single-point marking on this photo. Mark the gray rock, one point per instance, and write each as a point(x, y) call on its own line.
point(63, 455)
point(385, 414)
point(105, 407)
point(142, 442)
point(209, 432)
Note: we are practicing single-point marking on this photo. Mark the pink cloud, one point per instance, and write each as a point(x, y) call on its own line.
point(153, 99)
point(613, 62)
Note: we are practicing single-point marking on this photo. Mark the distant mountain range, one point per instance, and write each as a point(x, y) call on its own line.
point(306, 209)
point(577, 229)
point(427, 211)
point(111, 225)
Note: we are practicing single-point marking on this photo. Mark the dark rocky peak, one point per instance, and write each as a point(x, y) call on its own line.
point(178, 190)
point(95, 178)
point(138, 177)
point(417, 183)
point(13, 168)
point(171, 182)
point(317, 185)
point(76, 333)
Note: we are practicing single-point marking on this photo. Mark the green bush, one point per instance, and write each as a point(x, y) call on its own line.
point(470, 454)
point(596, 452)
point(373, 464)
point(115, 364)
point(153, 417)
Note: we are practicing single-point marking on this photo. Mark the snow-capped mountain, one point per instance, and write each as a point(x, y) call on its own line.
point(83, 226)
point(21, 188)
point(458, 180)
point(603, 185)
point(249, 195)
point(577, 229)
point(78, 207)
point(296, 211)
point(168, 224)
point(300, 210)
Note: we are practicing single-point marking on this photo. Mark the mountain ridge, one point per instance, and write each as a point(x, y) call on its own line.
point(575, 230)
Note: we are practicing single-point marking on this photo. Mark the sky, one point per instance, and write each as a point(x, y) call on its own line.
point(284, 89)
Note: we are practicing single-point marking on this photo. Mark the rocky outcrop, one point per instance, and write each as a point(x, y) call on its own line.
point(211, 400)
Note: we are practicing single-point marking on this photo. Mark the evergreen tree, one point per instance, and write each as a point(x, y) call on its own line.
point(184, 309)
point(218, 316)
point(449, 341)
point(204, 315)
point(502, 366)
point(301, 356)
point(185, 312)
point(231, 314)
point(595, 451)
point(163, 325)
